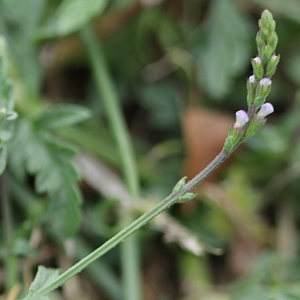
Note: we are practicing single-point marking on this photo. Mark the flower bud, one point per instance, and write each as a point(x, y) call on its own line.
point(266, 53)
point(259, 120)
point(272, 65)
point(266, 109)
point(262, 91)
point(266, 21)
point(272, 40)
point(180, 184)
point(260, 42)
point(258, 68)
point(186, 197)
point(251, 89)
point(241, 119)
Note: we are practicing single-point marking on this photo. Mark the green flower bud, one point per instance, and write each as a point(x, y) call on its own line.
point(258, 68)
point(251, 90)
point(262, 91)
point(272, 65)
point(266, 21)
point(186, 197)
point(260, 42)
point(179, 185)
point(272, 40)
point(236, 131)
point(255, 124)
point(266, 53)
point(259, 120)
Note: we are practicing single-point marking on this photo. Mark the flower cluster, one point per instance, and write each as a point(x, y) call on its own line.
point(258, 85)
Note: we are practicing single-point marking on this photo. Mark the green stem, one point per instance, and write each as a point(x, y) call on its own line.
point(138, 223)
point(129, 251)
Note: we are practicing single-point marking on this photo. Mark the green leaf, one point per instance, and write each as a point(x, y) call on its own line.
point(43, 278)
point(225, 50)
point(62, 115)
point(25, 16)
point(70, 16)
point(50, 161)
point(35, 296)
point(6, 105)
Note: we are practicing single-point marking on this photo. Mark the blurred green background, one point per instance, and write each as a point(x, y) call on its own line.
point(178, 69)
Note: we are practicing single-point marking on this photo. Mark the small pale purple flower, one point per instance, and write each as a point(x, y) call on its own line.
point(265, 82)
point(241, 119)
point(257, 60)
point(252, 79)
point(274, 57)
point(265, 110)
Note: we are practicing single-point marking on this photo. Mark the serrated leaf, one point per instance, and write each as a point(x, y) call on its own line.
point(62, 115)
point(34, 151)
point(70, 16)
point(225, 50)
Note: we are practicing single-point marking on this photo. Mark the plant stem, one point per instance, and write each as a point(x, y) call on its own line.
point(129, 251)
point(138, 223)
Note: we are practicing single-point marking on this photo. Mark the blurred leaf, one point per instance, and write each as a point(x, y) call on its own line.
point(62, 115)
point(70, 16)
point(225, 51)
point(42, 155)
point(18, 22)
point(6, 104)
point(161, 101)
point(43, 277)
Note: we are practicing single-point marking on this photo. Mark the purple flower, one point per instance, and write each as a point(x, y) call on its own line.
point(265, 82)
point(241, 119)
point(257, 60)
point(252, 79)
point(265, 110)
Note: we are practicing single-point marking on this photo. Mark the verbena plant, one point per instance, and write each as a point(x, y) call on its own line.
point(46, 150)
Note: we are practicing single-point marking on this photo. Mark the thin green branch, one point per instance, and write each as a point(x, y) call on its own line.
point(129, 249)
point(141, 221)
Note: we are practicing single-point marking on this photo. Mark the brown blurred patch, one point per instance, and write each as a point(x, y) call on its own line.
point(204, 132)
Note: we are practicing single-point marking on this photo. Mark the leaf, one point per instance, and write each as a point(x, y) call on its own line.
point(62, 115)
point(70, 16)
point(35, 296)
point(42, 279)
point(22, 19)
point(225, 51)
point(6, 105)
point(164, 114)
point(35, 151)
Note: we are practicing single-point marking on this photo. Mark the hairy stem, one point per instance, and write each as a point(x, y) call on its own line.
point(138, 223)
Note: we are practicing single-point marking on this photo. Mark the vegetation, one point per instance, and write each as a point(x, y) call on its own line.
point(104, 105)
